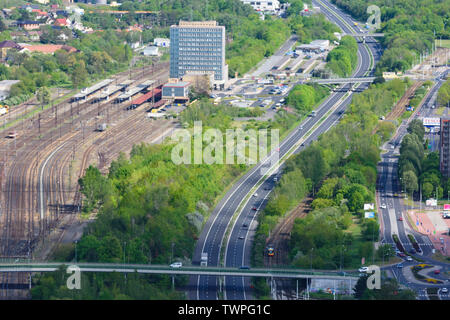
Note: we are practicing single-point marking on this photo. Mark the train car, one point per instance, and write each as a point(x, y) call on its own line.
point(270, 251)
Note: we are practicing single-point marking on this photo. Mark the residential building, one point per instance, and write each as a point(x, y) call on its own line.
point(29, 25)
point(445, 147)
point(61, 22)
point(264, 5)
point(200, 47)
point(7, 45)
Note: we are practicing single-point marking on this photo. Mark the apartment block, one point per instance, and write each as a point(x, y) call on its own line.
point(445, 147)
point(198, 46)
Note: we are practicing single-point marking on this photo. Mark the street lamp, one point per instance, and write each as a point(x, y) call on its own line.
point(76, 251)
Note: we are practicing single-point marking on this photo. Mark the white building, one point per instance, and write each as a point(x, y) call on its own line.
point(161, 42)
point(150, 51)
point(264, 5)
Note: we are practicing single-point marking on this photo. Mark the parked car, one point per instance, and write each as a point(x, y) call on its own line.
point(444, 290)
point(383, 206)
point(409, 258)
point(400, 265)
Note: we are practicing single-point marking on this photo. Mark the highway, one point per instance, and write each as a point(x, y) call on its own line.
point(237, 248)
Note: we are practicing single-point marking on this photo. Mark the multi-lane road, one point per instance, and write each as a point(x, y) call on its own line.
point(237, 245)
point(391, 207)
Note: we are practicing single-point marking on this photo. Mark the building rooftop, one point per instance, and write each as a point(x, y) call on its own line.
point(198, 24)
point(5, 85)
point(180, 84)
point(9, 44)
point(27, 22)
point(48, 48)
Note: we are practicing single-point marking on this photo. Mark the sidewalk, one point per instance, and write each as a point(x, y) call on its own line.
point(426, 224)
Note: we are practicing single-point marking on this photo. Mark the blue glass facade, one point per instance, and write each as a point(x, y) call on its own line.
point(198, 49)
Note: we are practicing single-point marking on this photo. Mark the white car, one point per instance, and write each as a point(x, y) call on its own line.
point(409, 258)
point(176, 265)
point(255, 194)
point(444, 290)
point(383, 206)
point(363, 269)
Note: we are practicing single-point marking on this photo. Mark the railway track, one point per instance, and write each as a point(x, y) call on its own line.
point(42, 150)
point(279, 240)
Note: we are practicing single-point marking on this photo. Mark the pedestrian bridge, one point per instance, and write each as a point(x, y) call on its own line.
point(185, 270)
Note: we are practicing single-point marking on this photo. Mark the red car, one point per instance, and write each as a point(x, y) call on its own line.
point(400, 219)
point(401, 254)
point(437, 271)
point(254, 208)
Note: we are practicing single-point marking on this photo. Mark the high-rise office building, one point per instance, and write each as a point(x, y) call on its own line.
point(445, 147)
point(198, 47)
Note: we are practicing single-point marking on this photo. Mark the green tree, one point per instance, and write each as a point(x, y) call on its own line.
point(409, 179)
point(43, 96)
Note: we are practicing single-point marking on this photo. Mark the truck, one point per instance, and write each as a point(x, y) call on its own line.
point(101, 127)
point(204, 259)
point(4, 109)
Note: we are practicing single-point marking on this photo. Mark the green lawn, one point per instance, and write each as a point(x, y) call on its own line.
point(440, 111)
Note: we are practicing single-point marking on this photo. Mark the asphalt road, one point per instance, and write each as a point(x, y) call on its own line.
point(238, 249)
point(389, 185)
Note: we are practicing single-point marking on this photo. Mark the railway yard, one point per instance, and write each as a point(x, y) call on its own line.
point(40, 168)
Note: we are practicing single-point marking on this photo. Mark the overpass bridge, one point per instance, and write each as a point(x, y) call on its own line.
point(342, 80)
point(185, 270)
point(362, 34)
